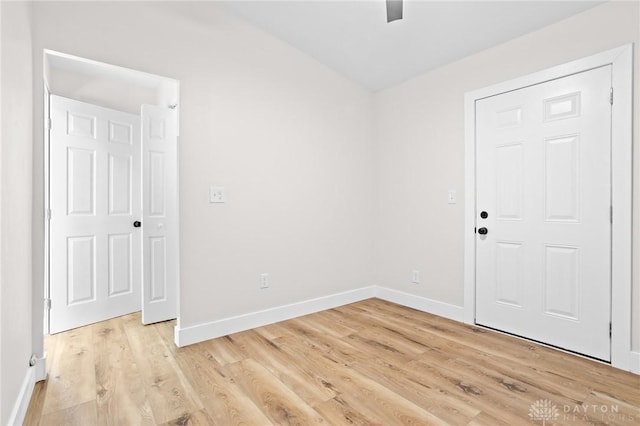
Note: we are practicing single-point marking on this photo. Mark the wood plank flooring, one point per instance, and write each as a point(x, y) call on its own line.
point(372, 362)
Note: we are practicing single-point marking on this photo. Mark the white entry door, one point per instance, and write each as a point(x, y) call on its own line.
point(95, 251)
point(543, 267)
point(160, 209)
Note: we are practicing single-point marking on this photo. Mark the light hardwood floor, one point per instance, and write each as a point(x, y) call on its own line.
point(371, 362)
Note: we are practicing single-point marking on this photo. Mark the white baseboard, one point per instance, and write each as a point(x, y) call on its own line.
point(635, 362)
point(210, 330)
point(41, 368)
point(420, 303)
point(19, 411)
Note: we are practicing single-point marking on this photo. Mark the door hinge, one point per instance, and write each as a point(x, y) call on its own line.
point(611, 96)
point(48, 123)
point(48, 214)
point(609, 330)
point(47, 303)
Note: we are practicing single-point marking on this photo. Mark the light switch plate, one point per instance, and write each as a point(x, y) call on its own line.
point(451, 199)
point(217, 194)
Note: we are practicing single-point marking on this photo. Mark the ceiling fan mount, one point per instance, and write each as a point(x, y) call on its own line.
point(394, 10)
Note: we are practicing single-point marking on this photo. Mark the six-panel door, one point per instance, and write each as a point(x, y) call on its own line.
point(544, 178)
point(95, 251)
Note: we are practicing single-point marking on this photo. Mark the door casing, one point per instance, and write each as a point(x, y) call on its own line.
point(621, 59)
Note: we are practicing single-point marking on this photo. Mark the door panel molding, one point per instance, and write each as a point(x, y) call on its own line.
point(94, 196)
point(621, 59)
point(562, 208)
point(160, 223)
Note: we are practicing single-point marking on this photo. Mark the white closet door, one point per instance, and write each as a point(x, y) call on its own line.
point(543, 267)
point(160, 244)
point(95, 198)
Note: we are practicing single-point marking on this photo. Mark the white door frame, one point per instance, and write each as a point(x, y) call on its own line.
point(101, 69)
point(621, 59)
point(45, 165)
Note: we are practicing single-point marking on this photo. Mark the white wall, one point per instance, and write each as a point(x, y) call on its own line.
point(420, 130)
point(15, 207)
point(290, 140)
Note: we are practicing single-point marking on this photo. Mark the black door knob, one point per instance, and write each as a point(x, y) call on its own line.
point(483, 231)
point(137, 224)
point(484, 215)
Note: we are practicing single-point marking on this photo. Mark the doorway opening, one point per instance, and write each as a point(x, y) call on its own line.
point(111, 193)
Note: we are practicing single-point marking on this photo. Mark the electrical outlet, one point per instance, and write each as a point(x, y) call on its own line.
point(415, 277)
point(264, 280)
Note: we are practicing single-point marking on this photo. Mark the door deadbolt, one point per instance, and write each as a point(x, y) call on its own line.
point(484, 215)
point(137, 224)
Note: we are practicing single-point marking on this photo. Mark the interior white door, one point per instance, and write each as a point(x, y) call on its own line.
point(94, 200)
point(543, 267)
point(160, 214)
